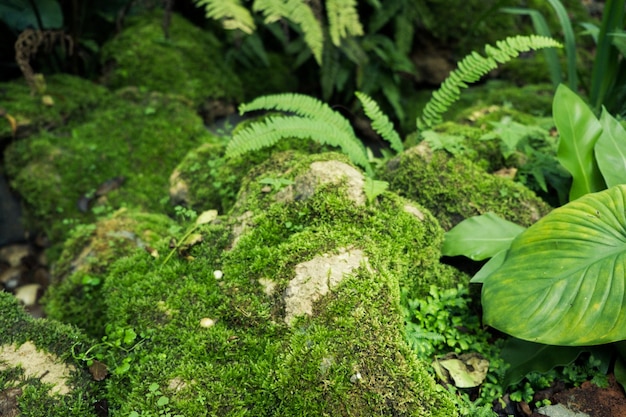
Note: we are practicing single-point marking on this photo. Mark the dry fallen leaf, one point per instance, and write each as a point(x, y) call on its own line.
point(98, 370)
point(467, 370)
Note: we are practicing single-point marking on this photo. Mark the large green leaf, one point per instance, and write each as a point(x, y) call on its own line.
point(487, 269)
point(610, 150)
point(480, 237)
point(563, 280)
point(19, 14)
point(525, 357)
point(579, 130)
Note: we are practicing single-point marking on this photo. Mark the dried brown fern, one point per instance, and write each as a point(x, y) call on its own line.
point(28, 43)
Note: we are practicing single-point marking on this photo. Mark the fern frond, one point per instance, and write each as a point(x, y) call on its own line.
point(380, 122)
point(473, 67)
point(383, 14)
point(302, 105)
point(343, 20)
point(232, 14)
point(299, 13)
point(274, 128)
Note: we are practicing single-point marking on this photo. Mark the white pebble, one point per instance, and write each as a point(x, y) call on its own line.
point(207, 322)
point(356, 377)
point(218, 274)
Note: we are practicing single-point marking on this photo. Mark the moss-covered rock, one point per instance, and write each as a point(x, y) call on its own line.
point(473, 105)
point(69, 98)
point(38, 374)
point(121, 155)
point(190, 63)
point(454, 188)
point(75, 296)
point(206, 179)
point(289, 306)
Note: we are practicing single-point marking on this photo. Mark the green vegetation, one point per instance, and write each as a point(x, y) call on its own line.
point(314, 120)
point(202, 330)
point(36, 368)
point(142, 57)
point(472, 68)
point(127, 133)
point(278, 278)
point(571, 256)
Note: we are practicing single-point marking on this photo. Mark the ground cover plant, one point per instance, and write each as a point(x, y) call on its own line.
point(567, 269)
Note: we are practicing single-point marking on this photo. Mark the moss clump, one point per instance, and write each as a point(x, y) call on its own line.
point(236, 341)
point(190, 63)
point(38, 375)
point(71, 97)
point(135, 135)
point(80, 272)
point(534, 99)
point(454, 188)
point(205, 179)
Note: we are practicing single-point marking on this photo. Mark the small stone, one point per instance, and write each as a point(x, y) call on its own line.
point(27, 294)
point(218, 274)
point(207, 322)
point(356, 378)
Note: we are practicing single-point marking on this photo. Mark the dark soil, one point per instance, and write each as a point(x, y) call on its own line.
point(593, 400)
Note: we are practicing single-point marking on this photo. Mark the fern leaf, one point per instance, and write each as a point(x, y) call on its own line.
point(343, 20)
point(299, 13)
point(232, 14)
point(380, 122)
point(274, 128)
point(383, 14)
point(473, 67)
point(302, 105)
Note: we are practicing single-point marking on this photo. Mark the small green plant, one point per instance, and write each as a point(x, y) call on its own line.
point(276, 183)
point(190, 238)
point(116, 350)
point(159, 401)
point(444, 322)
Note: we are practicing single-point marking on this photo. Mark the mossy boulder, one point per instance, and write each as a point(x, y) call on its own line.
point(78, 276)
point(288, 306)
point(38, 374)
point(206, 179)
point(68, 98)
point(121, 155)
point(189, 63)
point(454, 188)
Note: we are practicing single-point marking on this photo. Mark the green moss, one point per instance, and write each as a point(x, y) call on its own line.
point(189, 63)
point(345, 373)
point(454, 188)
point(82, 268)
point(246, 358)
point(205, 179)
point(139, 136)
point(37, 394)
point(534, 99)
point(72, 98)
